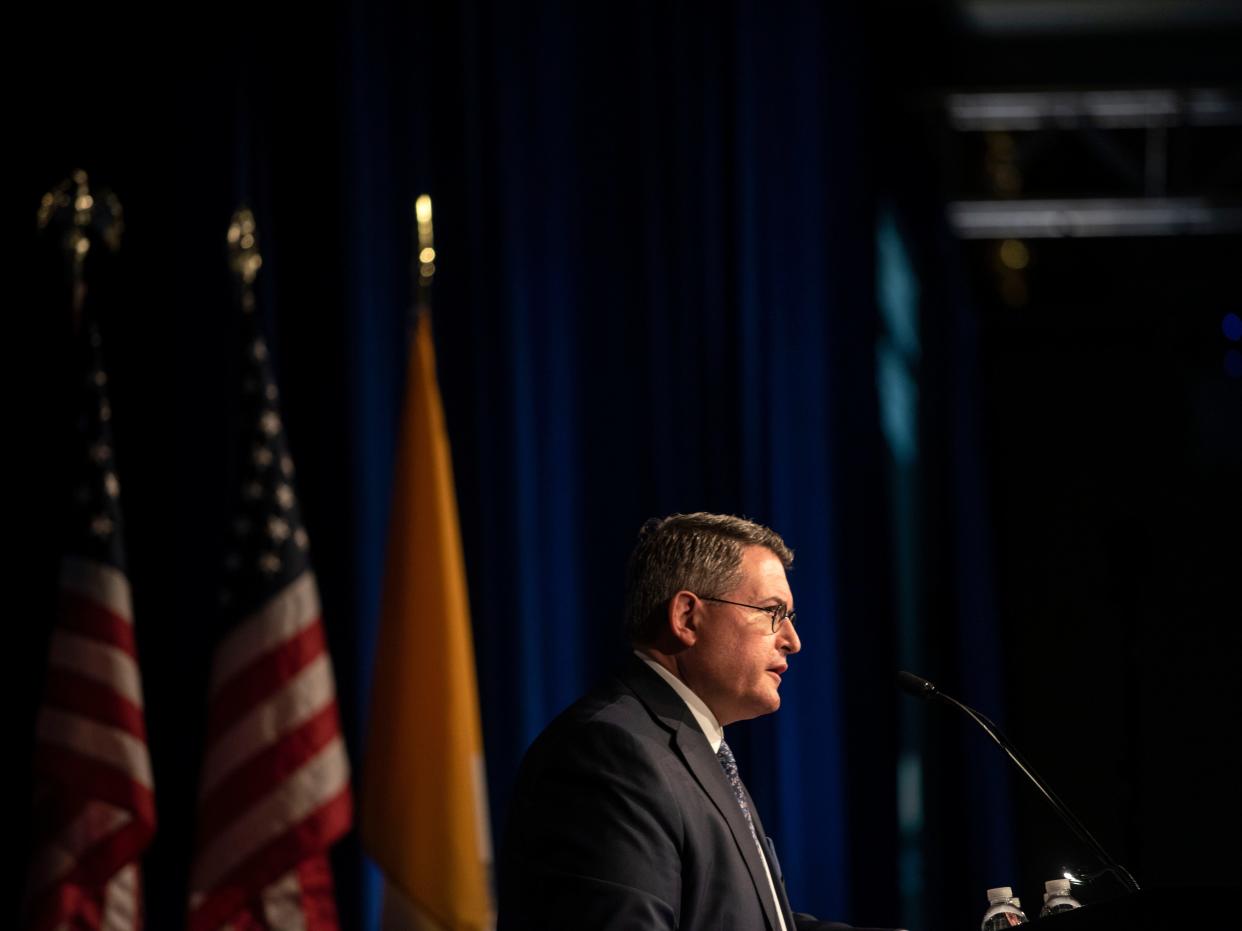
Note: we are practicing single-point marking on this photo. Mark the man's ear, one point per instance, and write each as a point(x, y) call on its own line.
point(683, 618)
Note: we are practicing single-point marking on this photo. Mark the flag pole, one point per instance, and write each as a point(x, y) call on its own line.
point(94, 808)
point(425, 820)
point(272, 798)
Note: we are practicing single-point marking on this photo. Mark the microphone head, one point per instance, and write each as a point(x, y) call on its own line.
point(915, 685)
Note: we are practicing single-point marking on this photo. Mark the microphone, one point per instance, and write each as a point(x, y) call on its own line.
point(921, 688)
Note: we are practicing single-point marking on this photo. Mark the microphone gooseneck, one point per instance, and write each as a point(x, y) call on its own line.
point(922, 688)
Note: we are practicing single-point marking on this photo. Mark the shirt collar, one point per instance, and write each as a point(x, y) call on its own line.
point(702, 714)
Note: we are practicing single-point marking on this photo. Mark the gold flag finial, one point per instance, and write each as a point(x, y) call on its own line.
point(82, 214)
point(80, 217)
point(244, 257)
point(426, 240)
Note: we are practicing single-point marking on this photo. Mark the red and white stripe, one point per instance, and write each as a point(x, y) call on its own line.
point(95, 800)
point(275, 785)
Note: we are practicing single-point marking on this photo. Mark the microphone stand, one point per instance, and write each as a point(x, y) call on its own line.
point(922, 688)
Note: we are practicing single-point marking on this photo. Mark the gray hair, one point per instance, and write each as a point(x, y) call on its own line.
point(697, 552)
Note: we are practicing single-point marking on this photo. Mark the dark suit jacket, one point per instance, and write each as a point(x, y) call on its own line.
point(623, 818)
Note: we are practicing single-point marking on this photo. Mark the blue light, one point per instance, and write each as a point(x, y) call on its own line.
point(1232, 326)
point(897, 350)
point(1233, 363)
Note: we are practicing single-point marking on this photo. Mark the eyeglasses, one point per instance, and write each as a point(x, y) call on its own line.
point(777, 612)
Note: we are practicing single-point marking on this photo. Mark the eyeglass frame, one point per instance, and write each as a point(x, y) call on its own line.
point(779, 612)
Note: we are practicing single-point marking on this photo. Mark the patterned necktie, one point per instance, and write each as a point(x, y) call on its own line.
point(729, 765)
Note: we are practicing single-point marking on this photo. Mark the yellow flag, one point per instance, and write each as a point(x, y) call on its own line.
point(424, 800)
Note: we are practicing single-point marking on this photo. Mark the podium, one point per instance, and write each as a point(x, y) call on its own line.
point(1188, 908)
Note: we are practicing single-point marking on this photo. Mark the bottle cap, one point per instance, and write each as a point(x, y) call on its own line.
point(1056, 887)
point(1000, 894)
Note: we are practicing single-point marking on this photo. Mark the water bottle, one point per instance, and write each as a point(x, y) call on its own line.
point(1002, 912)
point(1057, 897)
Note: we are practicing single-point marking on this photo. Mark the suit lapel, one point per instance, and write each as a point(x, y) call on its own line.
point(706, 768)
point(697, 754)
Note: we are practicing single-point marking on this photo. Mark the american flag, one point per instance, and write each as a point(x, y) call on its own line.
point(274, 790)
point(94, 806)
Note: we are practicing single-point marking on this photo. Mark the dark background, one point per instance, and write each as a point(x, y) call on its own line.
point(690, 256)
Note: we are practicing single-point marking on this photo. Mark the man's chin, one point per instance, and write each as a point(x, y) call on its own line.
point(760, 704)
point(769, 704)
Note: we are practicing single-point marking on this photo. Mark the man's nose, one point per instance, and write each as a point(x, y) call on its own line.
point(790, 641)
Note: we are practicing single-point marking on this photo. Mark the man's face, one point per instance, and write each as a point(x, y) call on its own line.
point(736, 662)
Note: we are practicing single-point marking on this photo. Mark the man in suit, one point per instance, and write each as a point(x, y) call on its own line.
point(628, 810)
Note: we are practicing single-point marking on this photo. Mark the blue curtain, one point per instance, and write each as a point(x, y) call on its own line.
point(653, 295)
